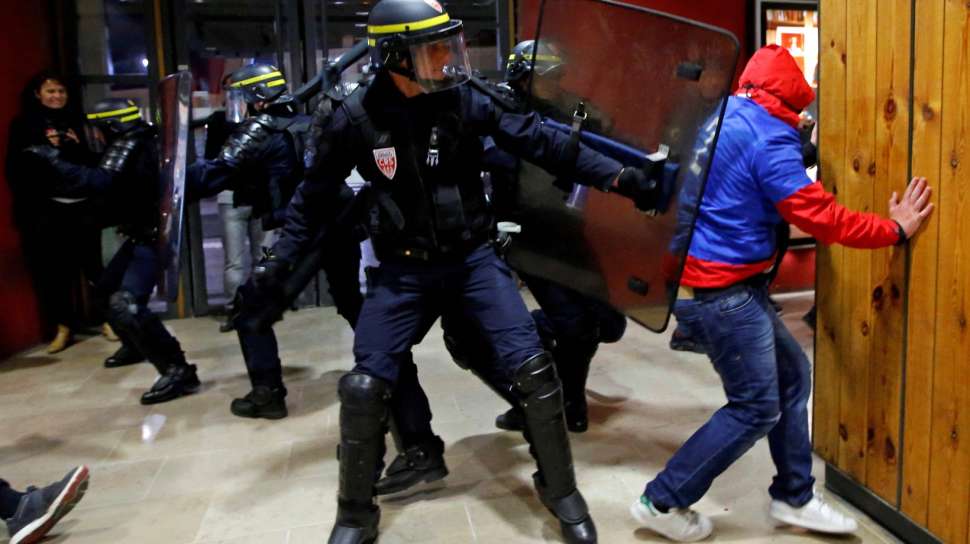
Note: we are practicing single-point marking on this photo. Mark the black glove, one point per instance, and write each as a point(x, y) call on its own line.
point(46, 152)
point(246, 143)
point(270, 273)
point(633, 183)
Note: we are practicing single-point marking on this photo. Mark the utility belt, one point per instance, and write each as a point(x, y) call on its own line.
point(453, 252)
point(758, 281)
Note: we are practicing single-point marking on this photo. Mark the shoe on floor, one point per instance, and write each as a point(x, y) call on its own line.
point(41, 508)
point(261, 402)
point(126, 355)
point(61, 340)
point(420, 464)
point(816, 515)
point(511, 420)
point(178, 381)
point(679, 525)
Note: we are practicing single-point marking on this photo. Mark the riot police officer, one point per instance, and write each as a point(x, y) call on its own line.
point(571, 323)
point(416, 135)
point(127, 177)
point(268, 151)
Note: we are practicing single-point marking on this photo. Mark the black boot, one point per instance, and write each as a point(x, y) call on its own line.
point(177, 381)
point(421, 463)
point(573, 358)
point(363, 422)
point(126, 355)
point(541, 399)
point(262, 401)
point(511, 420)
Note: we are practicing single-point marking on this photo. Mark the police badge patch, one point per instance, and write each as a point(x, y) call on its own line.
point(434, 4)
point(386, 159)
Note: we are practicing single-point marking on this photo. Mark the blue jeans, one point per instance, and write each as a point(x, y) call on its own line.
point(767, 381)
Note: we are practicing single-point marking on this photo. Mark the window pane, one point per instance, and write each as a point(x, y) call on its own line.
point(112, 37)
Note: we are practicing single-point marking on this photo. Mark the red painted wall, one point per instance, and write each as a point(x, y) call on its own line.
point(25, 39)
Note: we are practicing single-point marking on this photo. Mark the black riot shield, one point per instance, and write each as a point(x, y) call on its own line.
point(175, 93)
point(646, 88)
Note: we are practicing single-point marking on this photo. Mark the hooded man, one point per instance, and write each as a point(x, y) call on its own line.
point(757, 179)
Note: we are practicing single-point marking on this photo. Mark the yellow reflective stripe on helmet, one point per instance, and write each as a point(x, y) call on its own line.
point(276, 83)
point(404, 27)
point(543, 58)
point(131, 117)
point(112, 113)
point(257, 79)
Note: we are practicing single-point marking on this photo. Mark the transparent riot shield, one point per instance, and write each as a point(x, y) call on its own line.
point(175, 94)
point(638, 84)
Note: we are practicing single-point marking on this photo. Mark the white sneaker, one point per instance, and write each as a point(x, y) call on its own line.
point(681, 525)
point(816, 515)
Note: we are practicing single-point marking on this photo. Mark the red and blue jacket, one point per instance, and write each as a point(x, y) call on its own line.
point(757, 179)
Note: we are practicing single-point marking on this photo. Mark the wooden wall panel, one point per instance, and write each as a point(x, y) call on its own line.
point(856, 193)
point(892, 129)
point(921, 289)
point(893, 346)
point(825, 422)
point(950, 442)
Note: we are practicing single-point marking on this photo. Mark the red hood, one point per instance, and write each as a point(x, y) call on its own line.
point(774, 80)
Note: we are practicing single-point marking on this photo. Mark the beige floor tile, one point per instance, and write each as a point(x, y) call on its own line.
point(164, 521)
point(188, 472)
point(269, 505)
point(224, 470)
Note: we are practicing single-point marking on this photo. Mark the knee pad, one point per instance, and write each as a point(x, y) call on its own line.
point(536, 373)
point(612, 327)
point(365, 394)
point(123, 310)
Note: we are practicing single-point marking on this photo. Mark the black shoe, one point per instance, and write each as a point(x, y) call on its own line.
point(178, 381)
point(424, 463)
point(355, 525)
point(227, 326)
point(40, 509)
point(577, 417)
point(511, 420)
point(261, 402)
point(681, 342)
point(574, 520)
point(123, 357)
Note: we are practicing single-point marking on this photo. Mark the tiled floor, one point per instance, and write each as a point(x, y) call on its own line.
point(189, 472)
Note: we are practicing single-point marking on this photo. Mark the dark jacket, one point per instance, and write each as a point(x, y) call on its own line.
point(414, 205)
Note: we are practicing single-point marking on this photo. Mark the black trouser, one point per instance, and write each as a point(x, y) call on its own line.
point(341, 265)
point(128, 282)
point(56, 255)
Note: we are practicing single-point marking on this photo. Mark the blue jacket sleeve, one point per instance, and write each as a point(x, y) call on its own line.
point(207, 177)
point(318, 199)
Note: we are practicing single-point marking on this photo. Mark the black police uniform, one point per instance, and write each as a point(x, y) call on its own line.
point(126, 176)
point(430, 226)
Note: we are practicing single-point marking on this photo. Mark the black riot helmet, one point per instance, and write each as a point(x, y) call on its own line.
point(419, 40)
point(115, 115)
point(519, 66)
point(251, 84)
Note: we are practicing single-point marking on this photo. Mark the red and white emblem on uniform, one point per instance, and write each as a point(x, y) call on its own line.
point(386, 159)
point(434, 4)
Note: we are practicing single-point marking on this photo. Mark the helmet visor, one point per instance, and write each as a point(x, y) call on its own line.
point(235, 105)
point(441, 64)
